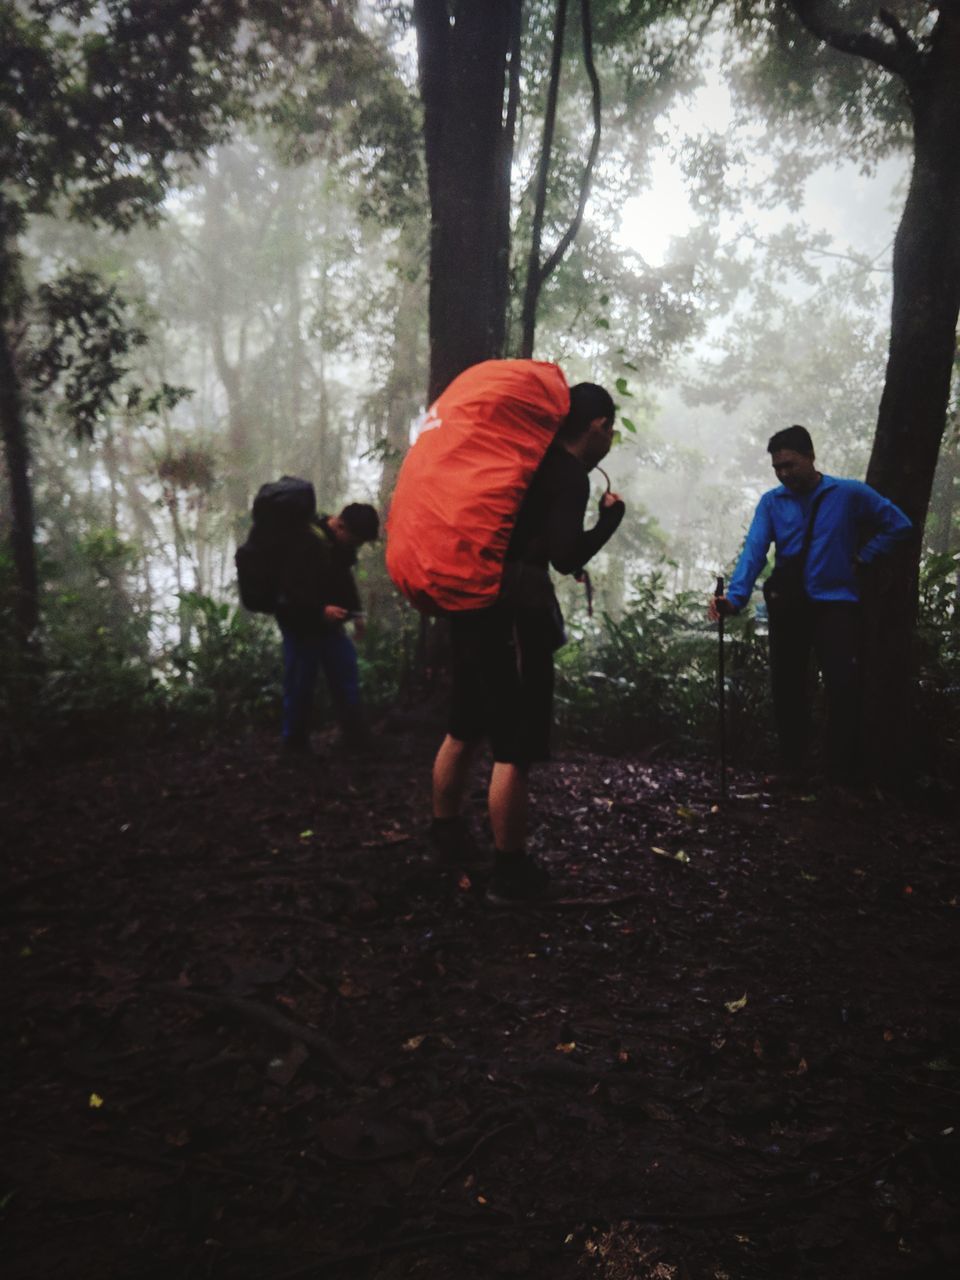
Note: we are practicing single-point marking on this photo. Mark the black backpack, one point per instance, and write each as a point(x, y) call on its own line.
point(282, 510)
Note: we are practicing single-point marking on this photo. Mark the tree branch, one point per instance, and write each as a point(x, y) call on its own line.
point(535, 276)
point(861, 44)
point(568, 237)
point(905, 41)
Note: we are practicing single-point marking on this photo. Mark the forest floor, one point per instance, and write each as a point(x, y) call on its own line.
point(252, 1031)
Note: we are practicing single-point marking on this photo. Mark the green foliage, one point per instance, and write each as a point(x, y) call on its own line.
point(160, 401)
point(86, 333)
point(938, 651)
point(813, 92)
point(386, 657)
point(190, 468)
point(939, 623)
point(101, 102)
point(89, 679)
point(334, 95)
point(227, 670)
point(649, 678)
point(96, 679)
point(646, 55)
point(17, 664)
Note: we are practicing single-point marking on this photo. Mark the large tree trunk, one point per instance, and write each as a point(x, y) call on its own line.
point(913, 408)
point(468, 137)
point(26, 607)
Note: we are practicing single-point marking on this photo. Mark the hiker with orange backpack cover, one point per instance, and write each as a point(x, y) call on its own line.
point(502, 651)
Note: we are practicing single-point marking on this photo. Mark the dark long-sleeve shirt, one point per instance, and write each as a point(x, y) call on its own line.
point(317, 571)
point(549, 528)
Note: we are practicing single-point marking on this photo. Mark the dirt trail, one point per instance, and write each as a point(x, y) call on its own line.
point(252, 1031)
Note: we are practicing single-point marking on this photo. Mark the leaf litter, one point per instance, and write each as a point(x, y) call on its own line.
point(349, 1066)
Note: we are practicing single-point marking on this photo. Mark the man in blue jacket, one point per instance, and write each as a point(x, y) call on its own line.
point(850, 527)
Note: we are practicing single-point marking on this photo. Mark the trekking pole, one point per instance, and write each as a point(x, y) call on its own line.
point(583, 576)
point(721, 697)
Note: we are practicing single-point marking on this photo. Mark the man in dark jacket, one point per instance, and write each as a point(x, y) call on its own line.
point(503, 655)
point(318, 595)
point(845, 527)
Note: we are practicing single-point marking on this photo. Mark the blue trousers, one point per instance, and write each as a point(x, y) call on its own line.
point(303, 656)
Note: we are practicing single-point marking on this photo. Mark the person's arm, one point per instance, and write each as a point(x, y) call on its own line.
point(569, 545)
point(752, 558)
point(336, 588)
point(889, 522)
point(353, 608)
point(351, 596)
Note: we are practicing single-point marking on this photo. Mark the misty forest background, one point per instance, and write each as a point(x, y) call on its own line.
point(241, 239)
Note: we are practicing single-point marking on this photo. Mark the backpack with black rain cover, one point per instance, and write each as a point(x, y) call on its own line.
point(282, 510)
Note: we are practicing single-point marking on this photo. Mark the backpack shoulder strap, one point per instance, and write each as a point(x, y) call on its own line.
point(811, 519)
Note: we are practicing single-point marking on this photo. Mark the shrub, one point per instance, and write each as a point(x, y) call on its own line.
point(938, 661)
point(227, 669)
point(650, 679)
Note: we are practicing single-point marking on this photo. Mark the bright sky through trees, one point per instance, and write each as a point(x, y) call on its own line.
point(849, 206)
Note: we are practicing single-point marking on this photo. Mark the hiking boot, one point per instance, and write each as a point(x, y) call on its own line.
point(453, 840)
point(517, 878)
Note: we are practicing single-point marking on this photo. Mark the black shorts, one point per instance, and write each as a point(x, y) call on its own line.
point(503, 682)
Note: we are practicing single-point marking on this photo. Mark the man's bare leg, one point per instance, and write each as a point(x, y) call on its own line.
point(508, 801)
point(451, 776)
point(517, 877)
point(450, 831)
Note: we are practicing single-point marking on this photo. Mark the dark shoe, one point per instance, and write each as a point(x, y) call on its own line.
point(517, 878)
point(452, 840)
point(297, 745)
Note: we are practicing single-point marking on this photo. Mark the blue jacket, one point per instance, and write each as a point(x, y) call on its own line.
point(853, 523)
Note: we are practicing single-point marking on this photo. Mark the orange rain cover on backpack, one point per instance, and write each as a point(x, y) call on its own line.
point(461, 484)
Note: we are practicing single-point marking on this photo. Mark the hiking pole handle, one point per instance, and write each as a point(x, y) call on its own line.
point(719, 589)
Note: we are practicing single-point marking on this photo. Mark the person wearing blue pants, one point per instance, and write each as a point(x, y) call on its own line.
point(318, 596)
point(303, 656)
